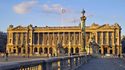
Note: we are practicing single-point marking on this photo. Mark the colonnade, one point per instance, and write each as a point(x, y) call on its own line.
point(41, 42)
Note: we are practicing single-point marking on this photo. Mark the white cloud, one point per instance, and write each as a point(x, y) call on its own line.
point(27, 6)
point(54, 8)
point(24, 7)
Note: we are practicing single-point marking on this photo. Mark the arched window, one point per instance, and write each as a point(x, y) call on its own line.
point(100, 51)
point(28, 50)
point(71, 50)
point(66, 50)
point(23, 51)
point(14, 50)
point(110, 51)
point(45, 50)
point(50, 50)
point(105, 50)
point(40, 50)
point(77, 50)
point(35, 49)
point(19, 50)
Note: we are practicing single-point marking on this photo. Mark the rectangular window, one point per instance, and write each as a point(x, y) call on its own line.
point(71, 38)
point(110, 38)
point(50, 38)
point(35, 38)
point(40, 38)
point(77, 38)
point(61, 37)
point(19, 38)
point(14, 38)
point(55, 38)
point(104, 37)
point(99, 38)
point(24, 38)
point(66, 38)
point(45, 38)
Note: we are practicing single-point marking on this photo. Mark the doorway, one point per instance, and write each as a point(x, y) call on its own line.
point(105, 50)
point(99, 51)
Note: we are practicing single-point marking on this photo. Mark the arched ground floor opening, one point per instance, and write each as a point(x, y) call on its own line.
point(105, 51)
point(110, 51)
point(99, 51)
point(77, 50)
point(66, 50)
point(40, 50)
point(51, 51)
point(71, 50)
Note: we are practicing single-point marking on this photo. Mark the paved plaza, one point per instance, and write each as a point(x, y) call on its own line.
point(104, 64)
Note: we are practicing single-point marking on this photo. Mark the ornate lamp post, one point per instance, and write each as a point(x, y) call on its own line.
point(83, 18)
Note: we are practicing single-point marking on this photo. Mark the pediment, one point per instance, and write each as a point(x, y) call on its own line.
point(93, 26)
point(19, 28)
point(105, 26)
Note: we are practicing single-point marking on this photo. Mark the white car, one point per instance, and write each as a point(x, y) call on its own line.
point(36, 53)
point(108, 55)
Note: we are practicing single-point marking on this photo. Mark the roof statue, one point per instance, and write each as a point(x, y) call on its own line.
point(83, 12)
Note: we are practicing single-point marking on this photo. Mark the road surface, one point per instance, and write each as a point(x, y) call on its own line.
point(104, 64)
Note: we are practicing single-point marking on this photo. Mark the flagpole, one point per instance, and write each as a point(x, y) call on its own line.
point(61, 19)
point(62, 16)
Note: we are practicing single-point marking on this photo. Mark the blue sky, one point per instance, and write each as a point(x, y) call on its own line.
point(48, 12)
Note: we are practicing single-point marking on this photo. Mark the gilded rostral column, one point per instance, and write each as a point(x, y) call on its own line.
point(83, 18)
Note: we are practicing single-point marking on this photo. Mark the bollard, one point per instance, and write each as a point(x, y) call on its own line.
point(61, 64)
point(46, 66)
point(71, 63)
point(76, 61)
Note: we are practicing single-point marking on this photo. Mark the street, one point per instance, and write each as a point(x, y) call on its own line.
point(104, 64)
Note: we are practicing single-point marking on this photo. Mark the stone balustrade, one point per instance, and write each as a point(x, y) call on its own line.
point(54, 63)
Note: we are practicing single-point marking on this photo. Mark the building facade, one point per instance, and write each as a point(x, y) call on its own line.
point(45, 40)
point(107, 37)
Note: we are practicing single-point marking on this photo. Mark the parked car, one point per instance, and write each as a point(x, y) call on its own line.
point(108, 55)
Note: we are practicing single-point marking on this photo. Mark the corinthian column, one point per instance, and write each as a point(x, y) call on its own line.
point(69, 44)
point(108, 38)
point(102, 37)
point(74, 39)
point(38, 39)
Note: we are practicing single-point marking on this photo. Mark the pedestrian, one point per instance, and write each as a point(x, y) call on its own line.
point(6, 56)
point(2, 55)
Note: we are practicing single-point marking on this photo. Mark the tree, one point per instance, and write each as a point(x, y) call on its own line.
point(3, 41)
point(123, 44)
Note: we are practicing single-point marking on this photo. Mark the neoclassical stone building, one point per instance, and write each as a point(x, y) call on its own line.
point(108, 38)
point(32, 40)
